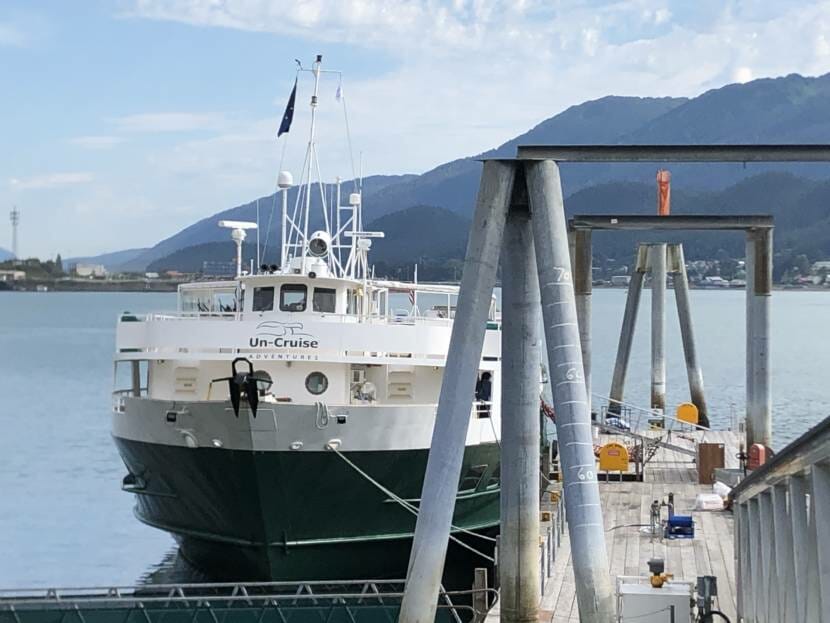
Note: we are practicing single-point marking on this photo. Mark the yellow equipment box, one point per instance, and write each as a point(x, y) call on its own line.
point(613, 457)
point(687, 412)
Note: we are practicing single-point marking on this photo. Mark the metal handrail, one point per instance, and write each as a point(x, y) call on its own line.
point(652, 413)
point(366, 592)
point(782, 532)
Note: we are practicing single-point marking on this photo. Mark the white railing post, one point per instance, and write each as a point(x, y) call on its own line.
point(820, 515)
point(755, 569)
point(785, 569)
point(743, 583)
point(800, 530)
point(769, 602)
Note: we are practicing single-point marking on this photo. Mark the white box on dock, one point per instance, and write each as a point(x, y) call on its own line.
point(646, 604)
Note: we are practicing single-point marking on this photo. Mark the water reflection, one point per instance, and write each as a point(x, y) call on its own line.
point(173, 569)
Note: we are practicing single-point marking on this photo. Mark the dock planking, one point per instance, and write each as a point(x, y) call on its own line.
point(626, 507)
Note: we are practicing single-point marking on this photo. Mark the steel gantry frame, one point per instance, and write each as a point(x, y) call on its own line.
point(509, 190)
point(758, 229)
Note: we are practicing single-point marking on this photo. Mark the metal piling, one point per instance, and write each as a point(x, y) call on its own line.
point(519, 568)
point(429, 547)
point(573, 420)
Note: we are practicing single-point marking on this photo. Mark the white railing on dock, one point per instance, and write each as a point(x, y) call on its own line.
point(782, 534)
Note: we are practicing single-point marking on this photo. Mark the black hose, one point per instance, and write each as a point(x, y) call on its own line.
point(707, 618)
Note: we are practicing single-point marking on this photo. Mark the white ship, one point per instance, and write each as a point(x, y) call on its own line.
point(278, 423)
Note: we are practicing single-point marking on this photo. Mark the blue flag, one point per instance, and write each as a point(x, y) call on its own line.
point(288, 117)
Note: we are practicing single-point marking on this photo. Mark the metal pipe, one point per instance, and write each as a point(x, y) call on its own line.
point(521, 352)
point(643, 222)
point(573, 421)
point(681, 294)
point(632, 304)
point(582, 262)
point(676, 153)
point(283, 232)
point(758, 292)
point(657, 259)
point(432, 529)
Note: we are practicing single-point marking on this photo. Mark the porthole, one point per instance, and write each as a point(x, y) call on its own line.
point(263, 381)
point(316, 383)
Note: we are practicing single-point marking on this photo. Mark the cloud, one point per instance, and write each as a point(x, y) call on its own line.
point(468, 75)
point(169, 122)
point(96, 142)
point(11, 35)
point(51, 180)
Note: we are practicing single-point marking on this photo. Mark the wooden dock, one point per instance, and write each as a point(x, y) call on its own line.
point(626, 507)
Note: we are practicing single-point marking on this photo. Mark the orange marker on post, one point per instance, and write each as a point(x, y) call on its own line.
point(663, 192)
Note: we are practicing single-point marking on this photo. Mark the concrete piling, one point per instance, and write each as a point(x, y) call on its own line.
point(681, 293)
point(632, 304)
point(657, 260)
point(429, 547)
point(521, 341)
point(758, 293)
point(573, 421)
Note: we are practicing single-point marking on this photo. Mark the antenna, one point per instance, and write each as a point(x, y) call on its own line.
point(238, 235)
point(14, 217)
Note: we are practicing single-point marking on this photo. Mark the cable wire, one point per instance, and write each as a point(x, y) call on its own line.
point(412, 509)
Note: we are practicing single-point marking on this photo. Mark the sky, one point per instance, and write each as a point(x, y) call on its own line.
point(123, 121)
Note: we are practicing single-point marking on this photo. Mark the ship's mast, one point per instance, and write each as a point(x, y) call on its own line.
point(312, 154)
point(342, 229)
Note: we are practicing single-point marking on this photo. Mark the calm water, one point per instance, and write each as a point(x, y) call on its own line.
point(64, 520)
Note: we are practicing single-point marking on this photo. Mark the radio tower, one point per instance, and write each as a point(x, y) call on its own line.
point(14, 217)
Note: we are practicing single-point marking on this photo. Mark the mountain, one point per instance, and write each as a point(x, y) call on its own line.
point(435, 238)
point(114, 261)
point(775, 110)
point(411, 235)
point(5, 255)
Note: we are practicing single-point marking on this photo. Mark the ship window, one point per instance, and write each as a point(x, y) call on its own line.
point(352, 302)
point(316, 383)
point(224, 301)
point(293, 297)
point(324, 300)
point(263, 299)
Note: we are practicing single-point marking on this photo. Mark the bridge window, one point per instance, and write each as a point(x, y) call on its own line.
point(325, 300)
point(263, 299)
point(293, 297)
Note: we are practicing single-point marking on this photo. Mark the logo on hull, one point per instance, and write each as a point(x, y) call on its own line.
point(275, 334)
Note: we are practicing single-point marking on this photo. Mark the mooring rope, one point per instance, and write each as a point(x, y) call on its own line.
point(412, 509)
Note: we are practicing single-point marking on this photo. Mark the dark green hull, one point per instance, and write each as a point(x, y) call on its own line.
point(243, 515)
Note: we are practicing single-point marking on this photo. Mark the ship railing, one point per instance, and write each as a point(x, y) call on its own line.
point(256, 316)
point(119, 397)
point(782, 533)
point(359, 599)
